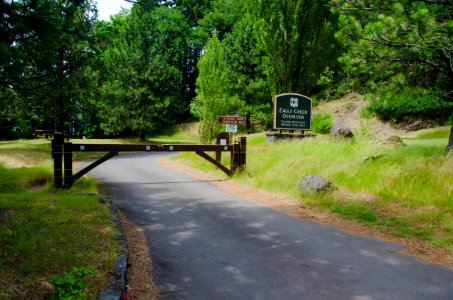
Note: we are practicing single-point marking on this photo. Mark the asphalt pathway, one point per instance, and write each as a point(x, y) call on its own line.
point(208, 244)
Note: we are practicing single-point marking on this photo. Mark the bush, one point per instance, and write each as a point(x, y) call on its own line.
point(416, 102)
point(321, 123)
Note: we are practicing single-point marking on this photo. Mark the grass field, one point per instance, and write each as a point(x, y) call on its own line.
point(44, 232)
point(404, 191)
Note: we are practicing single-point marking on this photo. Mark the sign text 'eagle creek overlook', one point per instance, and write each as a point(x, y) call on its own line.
point(292, 112)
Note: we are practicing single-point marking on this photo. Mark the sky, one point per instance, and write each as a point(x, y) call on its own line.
point(106, 8)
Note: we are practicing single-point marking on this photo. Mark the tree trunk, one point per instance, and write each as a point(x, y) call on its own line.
point(142, 135)
point(59, 114)
point(450, 140)
point(60, 98)
point(248, 125)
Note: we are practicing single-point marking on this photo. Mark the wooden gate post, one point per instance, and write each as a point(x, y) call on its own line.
point(225, 136)
point(57, 154)
point(68, 165)
point(239, 155)
point(243, 152)
point(235, 157)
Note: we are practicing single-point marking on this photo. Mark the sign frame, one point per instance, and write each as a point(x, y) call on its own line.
point(296, 108)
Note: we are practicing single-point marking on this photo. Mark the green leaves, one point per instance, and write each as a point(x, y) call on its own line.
point(401, 51)
point(144, 89)
point(415, 102)
point(70, 285)
point(409, 37)
point(233, 78)
point(322, 123)
point(298, 37)
point(45, 45)
point(213, 98)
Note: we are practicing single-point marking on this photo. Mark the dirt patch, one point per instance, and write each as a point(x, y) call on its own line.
point(348, 110)
point(11, 162)
point(139, 271)
point(293, 208)
point(37, 186)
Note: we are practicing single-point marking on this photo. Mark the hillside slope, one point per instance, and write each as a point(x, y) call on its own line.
point(348, 110)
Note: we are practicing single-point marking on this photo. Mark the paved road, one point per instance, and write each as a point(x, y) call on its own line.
point(208, 244)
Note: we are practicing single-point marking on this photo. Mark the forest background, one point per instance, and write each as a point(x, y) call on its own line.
point(169, 62)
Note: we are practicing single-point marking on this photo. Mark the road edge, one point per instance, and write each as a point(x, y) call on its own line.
point(417, 249)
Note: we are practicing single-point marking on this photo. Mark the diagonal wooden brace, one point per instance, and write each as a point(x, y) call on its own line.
point(90, 167)
point(214, 162)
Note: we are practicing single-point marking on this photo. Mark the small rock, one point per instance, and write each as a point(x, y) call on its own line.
point(340, 130)
point(372, 158)
point(394, 140)
point(313, 184)
point(103, 199)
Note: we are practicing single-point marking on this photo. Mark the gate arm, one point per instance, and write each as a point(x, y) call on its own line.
point(93, 165)
point(216, 163)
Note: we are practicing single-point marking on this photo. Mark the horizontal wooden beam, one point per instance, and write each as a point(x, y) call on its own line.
point(111, 147)
point(144, 147)
point(192, 148)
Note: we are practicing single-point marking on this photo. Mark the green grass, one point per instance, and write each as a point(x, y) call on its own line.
point(437, 142)
point(428, 137)
point(26, 152)
point(405, 191)
point(19, 179)
point(44, 232)
point(431, 133)
point(180, 134)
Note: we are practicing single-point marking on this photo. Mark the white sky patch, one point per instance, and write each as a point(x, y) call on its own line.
point(107, 8)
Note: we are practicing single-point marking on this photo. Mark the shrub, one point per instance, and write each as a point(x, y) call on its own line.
point(321, 123)
point(415, 102)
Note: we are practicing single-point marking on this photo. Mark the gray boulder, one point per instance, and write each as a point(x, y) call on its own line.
point(340, 130)
point(313, 184)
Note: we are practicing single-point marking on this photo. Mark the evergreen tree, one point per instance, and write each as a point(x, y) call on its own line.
point(298, 38)
point(43, 46)
point(401, 51)
point(145, 88)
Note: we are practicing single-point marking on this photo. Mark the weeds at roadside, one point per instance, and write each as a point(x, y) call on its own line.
point(70, 285)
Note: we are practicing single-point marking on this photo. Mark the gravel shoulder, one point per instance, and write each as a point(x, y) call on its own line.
point(140, 279)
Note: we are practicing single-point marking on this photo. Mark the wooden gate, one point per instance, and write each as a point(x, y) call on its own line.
point(62, 153)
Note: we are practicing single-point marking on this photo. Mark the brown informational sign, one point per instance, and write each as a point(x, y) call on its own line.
point(232, 120)
point(292, 112)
